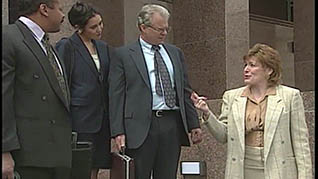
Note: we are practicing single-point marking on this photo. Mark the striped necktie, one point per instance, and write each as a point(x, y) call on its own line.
point(58, 74)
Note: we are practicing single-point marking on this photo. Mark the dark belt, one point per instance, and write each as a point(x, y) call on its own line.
point(162, 113)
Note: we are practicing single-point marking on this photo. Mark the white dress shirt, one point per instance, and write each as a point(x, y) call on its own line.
point(158, 102)
point(38, 34)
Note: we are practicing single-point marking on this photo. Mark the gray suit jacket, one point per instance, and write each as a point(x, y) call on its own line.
point(35, 115)
point(131, 98)
point(286, 142)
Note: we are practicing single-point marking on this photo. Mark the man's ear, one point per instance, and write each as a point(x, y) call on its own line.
point(142, 27)
point(43, 9)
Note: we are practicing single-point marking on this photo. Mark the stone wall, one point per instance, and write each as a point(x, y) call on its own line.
point(279, 34)
point(304, 38)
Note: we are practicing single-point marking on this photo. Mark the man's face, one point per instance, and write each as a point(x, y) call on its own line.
point(55, 16)
point(156, 33)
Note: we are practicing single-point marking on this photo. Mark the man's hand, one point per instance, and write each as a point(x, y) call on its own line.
point(196, 135)
point(120, 142)
point(7, 166)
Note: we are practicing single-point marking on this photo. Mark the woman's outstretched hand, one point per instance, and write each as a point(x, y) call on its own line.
point(200, 102)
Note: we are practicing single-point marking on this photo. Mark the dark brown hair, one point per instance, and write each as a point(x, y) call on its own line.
point(80, 13)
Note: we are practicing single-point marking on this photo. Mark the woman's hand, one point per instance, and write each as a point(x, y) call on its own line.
point(200, 103)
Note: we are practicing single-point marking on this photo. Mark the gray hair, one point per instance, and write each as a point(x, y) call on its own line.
point(146, 12)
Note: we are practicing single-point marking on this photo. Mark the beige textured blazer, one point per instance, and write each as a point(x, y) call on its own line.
point(286, 145)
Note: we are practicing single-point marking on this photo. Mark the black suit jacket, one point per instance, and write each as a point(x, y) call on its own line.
point(131, 98)
point(89, 88)
point(35, 115)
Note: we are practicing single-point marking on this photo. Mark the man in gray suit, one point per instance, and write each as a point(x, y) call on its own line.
point(151, 112)
point(36, 130)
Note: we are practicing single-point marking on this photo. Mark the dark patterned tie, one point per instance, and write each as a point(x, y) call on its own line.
point(50, 55)
point(161, 72)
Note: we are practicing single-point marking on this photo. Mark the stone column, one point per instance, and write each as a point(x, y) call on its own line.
point(237, 40)
point(5, 12)
point(214, 36)
point(304, 44)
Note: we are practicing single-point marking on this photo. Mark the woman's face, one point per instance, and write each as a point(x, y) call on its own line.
point(94, 27)
point(254, 73)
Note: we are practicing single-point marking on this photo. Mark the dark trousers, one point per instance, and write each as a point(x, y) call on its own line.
point(43, 173)
point(160, 152)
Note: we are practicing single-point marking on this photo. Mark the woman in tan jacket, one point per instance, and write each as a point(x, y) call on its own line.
point(263, 123)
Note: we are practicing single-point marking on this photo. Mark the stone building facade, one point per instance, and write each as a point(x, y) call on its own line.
point(214, 36)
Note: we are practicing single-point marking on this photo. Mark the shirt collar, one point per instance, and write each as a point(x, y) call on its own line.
point(269, 91)
point(147, 45)
point(35, 28)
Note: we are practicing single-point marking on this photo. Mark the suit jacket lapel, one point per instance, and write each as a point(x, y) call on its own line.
point(83, 51)
point(103, 59)
point(139, 59)
point(36, 49)
point(239, 107)
point(275, 106)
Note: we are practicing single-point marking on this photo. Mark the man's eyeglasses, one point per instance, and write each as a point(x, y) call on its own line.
point(160, 30)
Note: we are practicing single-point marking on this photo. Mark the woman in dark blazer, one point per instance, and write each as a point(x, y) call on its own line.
point(86, 59)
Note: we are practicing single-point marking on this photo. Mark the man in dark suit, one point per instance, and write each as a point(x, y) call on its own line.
point(150, 108)
point(36, 136)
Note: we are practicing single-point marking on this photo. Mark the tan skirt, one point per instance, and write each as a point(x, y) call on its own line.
point(254, 163)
